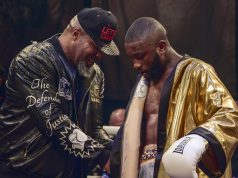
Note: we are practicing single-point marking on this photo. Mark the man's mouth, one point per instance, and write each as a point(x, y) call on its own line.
point(142, 72)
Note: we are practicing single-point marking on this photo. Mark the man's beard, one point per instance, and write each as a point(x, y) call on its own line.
point(84, 70)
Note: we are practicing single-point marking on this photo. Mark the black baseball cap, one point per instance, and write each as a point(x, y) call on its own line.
point(101, 26)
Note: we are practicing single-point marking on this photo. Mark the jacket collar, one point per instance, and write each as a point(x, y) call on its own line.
point(69, 67)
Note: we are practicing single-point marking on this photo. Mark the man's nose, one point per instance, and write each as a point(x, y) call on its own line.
point(98, 55)
point(136, 65)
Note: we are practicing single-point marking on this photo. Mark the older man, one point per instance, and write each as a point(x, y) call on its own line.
point(51, 118)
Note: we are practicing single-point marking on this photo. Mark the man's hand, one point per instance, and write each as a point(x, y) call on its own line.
point(180, 160)
point(107, 166)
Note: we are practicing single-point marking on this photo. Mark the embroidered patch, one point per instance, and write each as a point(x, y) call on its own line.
point(78, 139)
point(107, 33)
point(216, 98)
point(77, 143)
point(141, 89)
point(65, 89)
point(95, 94)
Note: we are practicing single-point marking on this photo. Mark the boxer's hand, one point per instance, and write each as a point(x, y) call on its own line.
point(107, 166)
point(180, 160)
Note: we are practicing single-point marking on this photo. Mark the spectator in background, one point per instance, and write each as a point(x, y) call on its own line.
point(115, 121)
point(117, 117)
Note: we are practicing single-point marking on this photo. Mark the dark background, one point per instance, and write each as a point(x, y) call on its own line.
point(201, 28)
point(205, 29)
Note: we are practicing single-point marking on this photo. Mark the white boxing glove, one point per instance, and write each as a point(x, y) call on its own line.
point(180, 160)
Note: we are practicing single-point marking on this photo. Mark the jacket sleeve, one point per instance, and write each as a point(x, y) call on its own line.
point(96, 97)
point(37, 81)
point(217, 114)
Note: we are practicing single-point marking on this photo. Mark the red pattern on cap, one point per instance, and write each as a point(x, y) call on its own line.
point(107, 33)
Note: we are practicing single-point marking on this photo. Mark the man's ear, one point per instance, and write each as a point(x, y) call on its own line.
point(76, 32)
point(161, 46)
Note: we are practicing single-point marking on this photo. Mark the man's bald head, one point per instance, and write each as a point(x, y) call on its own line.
point(74, 23)
point(117, 117)
point(145, 28)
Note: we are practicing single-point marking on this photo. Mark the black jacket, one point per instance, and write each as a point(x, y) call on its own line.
point(47, 111)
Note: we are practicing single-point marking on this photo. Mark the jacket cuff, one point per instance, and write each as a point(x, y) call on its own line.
point(216, 148)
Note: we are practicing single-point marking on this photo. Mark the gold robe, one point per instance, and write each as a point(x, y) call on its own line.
point(200, 100)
